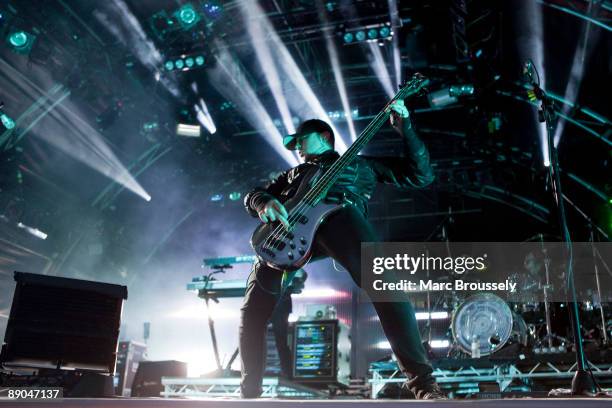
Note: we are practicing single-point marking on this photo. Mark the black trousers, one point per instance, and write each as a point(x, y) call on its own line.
point(280, 328)
point(339, 237)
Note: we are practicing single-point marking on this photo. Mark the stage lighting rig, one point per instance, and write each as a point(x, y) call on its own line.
point(185, 62)
point(375, 32)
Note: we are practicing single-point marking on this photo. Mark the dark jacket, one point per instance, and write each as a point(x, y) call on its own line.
point(358, 180)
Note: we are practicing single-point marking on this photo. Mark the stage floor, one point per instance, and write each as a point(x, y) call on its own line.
point(286, 403)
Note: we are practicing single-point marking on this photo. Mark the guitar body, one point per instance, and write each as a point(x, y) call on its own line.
point(290, 250)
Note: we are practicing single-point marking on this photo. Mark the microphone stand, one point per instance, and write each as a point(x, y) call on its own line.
point(583, 382)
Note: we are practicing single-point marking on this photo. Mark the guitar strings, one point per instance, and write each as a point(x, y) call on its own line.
point(328, 176)
point(279, 233)
point(334, 169)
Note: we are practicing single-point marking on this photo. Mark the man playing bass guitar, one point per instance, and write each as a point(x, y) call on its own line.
point(339, 236)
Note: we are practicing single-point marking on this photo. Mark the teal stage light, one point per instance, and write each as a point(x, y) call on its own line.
point(189, 62)
point(18, 39)
point(187, 16)
point(360, 35)
point(7, 121)
point(199, 60)
point(384, 32)
point(372, 33)
point(179, 64)
point(348, 38)
point(169, 65)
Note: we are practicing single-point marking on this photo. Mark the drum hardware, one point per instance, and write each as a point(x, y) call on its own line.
point(596, 254)
point(550, 336)
point(482, 324)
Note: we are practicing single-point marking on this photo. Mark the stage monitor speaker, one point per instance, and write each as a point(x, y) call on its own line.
point(63, 323)
point(147, 381)
point(129, 356)
point(321, 353)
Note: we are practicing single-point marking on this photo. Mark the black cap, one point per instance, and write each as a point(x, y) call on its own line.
point(306, 127)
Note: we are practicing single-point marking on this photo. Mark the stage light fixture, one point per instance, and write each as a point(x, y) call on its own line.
point(235, 196)
point(7, 122)
point(21, 41)
point(348, 38)
point(18, 39)
point(372, 33)
point(184, 62)
point(384, 32)
point(360, 35)
point(216, 197)
point(187, 16)
point(441, 98)
point(461, 90)
point(33, 231)
point(183, 129)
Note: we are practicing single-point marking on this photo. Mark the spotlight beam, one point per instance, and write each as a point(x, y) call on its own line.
point(262, 50)
point(60, 125)
point(293, 72)
point(395, 26)
point(335, 62)
point(380, 68)
point(582, 52)
point(121, 22)
point(204, 117)
point(230, 81)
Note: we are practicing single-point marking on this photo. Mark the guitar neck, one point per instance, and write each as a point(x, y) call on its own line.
point(324, 183)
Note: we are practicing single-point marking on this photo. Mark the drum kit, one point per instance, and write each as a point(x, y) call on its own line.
point(484, 323)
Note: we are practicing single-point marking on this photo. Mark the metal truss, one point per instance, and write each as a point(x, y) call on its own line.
point(502, 374)
point(230, 387)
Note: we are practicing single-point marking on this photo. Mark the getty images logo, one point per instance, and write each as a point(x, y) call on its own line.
point(411, 264)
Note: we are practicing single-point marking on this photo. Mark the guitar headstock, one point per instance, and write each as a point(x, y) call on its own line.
point(417, 84)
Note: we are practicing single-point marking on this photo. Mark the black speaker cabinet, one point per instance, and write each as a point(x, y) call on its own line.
point(63, 323)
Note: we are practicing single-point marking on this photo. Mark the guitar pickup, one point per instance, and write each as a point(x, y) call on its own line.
point(278, 245)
